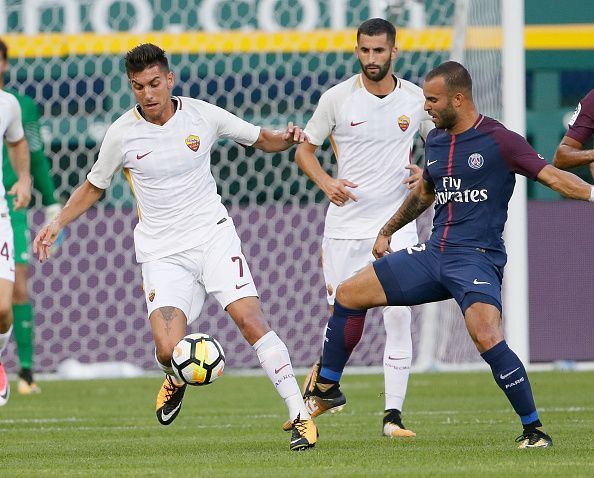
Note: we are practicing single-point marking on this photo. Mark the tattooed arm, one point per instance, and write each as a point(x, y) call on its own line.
point(417, 201)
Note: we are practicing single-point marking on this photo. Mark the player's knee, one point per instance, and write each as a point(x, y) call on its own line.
point(164, 351)
point(5, 312)
point(20, 294)
point(486, 339)
point(343, 293)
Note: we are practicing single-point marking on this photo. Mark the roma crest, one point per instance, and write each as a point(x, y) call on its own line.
point(193, 142)
point(403, 122)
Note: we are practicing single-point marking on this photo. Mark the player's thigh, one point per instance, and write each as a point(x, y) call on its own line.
point(226, 274)
point(411, 276)
point(172, 296)
point(472, 277)
point(341, 259)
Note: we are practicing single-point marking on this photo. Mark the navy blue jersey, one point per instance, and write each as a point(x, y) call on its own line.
point(473, 176)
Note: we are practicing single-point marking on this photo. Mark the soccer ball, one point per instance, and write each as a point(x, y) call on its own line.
point(198, 359)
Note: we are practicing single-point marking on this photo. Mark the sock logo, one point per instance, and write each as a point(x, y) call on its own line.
point(503, 377)
point(277, 370)
point(513, 384)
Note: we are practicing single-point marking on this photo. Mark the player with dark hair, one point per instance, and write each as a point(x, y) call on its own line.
point(185, 240)
point(470, 166)
point(571, 152)
point(372, 120)
point(22, 308)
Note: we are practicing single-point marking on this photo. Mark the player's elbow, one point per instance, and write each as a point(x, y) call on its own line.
point(560, 159)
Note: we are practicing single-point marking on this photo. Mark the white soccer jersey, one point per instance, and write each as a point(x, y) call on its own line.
point(11, 128)
point(372, 140)
point(168, 168)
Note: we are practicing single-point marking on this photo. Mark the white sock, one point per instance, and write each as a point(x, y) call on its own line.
point(397, 355)
point(274, 359)
point(4, 338)
point(168, 370)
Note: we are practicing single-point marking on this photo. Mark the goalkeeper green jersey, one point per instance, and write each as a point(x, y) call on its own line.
point(40, 168)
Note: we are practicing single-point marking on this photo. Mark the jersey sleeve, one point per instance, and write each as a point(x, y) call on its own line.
point(322, 122)
point(31, 124)
point(15, 131)
point(229, 126)
point(581, 124)
point(110, 159)
point(519, 155)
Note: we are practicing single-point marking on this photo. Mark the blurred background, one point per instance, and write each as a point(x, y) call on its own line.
point(268, 61)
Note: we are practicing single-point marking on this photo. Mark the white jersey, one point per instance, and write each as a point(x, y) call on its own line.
point(372, 139)
point(11, 129)
point(168, 168)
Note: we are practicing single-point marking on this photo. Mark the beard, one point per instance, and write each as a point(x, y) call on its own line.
point(447, 118)
point(378, 75)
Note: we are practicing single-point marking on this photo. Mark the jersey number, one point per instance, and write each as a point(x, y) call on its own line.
point(4, 252)
point(417, 248)
point(235, 259)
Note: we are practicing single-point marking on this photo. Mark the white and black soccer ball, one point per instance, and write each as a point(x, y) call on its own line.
point(198, 359)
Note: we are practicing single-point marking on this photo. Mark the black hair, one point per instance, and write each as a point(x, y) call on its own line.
point(377, 26)
point(145, 56)
point(455, 75)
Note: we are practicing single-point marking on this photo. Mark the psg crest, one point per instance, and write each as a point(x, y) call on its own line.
point(475, 161)
point(193, 142)
point(403, 122)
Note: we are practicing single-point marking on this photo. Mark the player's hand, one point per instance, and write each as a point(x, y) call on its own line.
point(337, 191)
point(21, 190)
point(294, 134)
point(416, 174)
point(44, 240)
point(381, 246)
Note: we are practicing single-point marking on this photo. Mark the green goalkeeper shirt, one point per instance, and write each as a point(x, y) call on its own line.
point(40, 167)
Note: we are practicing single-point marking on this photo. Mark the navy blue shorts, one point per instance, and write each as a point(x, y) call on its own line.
point(422, 274)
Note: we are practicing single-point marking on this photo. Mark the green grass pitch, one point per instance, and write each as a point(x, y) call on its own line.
point(464, 425)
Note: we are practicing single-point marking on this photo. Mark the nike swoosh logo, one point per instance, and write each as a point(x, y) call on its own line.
point(396, 358)
point(140, 156)
point(277, 370)
point(480, 282)
point(502, 377)
point(242, 285)
point(358, 123)
point(167, 416)
point(429, 163)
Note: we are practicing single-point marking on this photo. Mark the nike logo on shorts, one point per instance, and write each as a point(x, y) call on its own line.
point(358, 123)
point(429, 163)
point(242, 285)
point(503, 377)
point(480, 282)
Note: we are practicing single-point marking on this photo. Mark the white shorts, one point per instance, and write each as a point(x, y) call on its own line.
point(6, 248)
point(184, 279)
point(341, 258)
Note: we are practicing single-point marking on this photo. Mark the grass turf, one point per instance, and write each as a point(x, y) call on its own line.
point(465, 428)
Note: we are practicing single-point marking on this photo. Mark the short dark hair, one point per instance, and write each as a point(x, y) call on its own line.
point(145, 56)
point(377, 26)
point(3, 50)
point(455, 75)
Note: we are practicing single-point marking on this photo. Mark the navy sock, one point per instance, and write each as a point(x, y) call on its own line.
point(511, 376)
point(343, 332)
